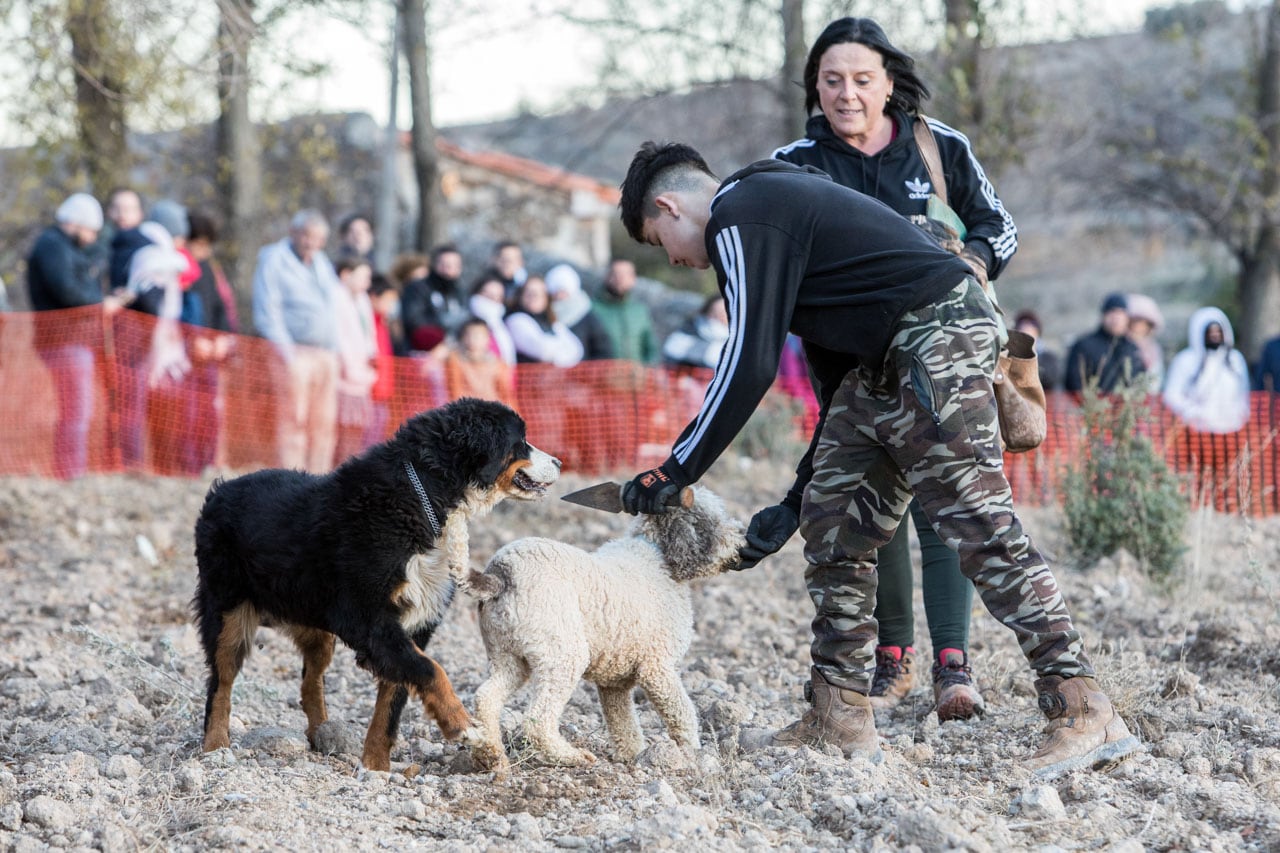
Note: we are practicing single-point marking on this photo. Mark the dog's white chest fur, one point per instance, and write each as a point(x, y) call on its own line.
point(431, 577)
point(427, 591)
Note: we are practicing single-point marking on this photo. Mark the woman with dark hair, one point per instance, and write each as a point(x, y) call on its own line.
point(863, 134)
point(548, 396)
point(539, 337)
point(488, 301)
point(211, 339)
point(355, 237)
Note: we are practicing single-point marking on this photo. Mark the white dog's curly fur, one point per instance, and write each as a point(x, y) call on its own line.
point(619, 617)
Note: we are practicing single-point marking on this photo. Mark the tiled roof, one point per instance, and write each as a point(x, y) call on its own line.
point(532, 171)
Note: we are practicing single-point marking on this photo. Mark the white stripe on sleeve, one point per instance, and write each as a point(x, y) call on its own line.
point(729, 245)
point(1005, 243)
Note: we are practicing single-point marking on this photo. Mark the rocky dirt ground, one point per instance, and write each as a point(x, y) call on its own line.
point(101, 698)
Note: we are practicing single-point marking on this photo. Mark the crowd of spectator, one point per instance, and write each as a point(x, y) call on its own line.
point(1206, 384)
point(337, 324)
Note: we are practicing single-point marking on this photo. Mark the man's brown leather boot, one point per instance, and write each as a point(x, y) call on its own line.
point(838, 717)
point(1084, 730)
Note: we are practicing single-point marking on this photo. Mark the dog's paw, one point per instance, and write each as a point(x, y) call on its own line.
point(218, 740)
point(472, 736)
point(577, 758)
point(489, 756)
point(455, 726)
point(375, 761)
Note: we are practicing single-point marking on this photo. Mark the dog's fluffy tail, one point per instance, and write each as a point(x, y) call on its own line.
point(481, 586)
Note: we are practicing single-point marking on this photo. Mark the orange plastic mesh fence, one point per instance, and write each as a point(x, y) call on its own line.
point(612, 416)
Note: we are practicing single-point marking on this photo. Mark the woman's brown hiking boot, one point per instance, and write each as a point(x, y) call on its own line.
point(838, 717)
point(893, 679)
point(1084, 730)
point(954, 695)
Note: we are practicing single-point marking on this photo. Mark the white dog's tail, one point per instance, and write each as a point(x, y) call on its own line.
point(480, 585)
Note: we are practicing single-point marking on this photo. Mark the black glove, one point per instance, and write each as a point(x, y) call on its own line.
point(769, 530)
point(653, 493)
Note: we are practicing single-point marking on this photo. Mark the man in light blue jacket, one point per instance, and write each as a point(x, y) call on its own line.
point(294, 287)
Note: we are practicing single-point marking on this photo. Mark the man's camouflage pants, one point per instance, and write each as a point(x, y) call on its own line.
point(924, 424)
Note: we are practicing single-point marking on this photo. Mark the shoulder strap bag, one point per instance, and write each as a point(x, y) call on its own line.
point(1020, 398)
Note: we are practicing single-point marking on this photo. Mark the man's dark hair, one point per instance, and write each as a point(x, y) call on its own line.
point(657, 168)
point(202, 226)
point(1026, 315)
point(909, 91)
point(444, 249)
point(469, 322)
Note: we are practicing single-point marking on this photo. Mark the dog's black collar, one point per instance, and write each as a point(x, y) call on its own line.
point(422, 496)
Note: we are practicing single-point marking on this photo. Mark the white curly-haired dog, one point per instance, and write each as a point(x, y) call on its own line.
point(620, 616)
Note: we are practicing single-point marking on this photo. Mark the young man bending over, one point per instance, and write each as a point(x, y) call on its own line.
point(902, 343)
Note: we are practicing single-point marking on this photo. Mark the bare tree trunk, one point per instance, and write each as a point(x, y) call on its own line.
point(793, 60)
point(1260, 272)
point(388, 242)
point(238, 154)
point(961, 51)
point(426, 157)
point(1259, 294)
point(100, 101)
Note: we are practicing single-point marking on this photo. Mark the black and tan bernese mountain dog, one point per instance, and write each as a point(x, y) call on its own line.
point(369, 553)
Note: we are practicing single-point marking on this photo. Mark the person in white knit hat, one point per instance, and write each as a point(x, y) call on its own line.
point(63, 272)
point(574, 309)
point(1145, 321)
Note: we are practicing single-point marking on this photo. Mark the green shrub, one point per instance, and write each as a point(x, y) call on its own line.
point(1119, 492)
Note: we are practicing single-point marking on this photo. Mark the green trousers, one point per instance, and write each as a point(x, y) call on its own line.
point(948, 594)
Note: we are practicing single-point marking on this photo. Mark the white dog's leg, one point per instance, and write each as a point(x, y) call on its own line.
point(673, 704)
point(551, 692)
point(491, 697)
point(620, 718)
